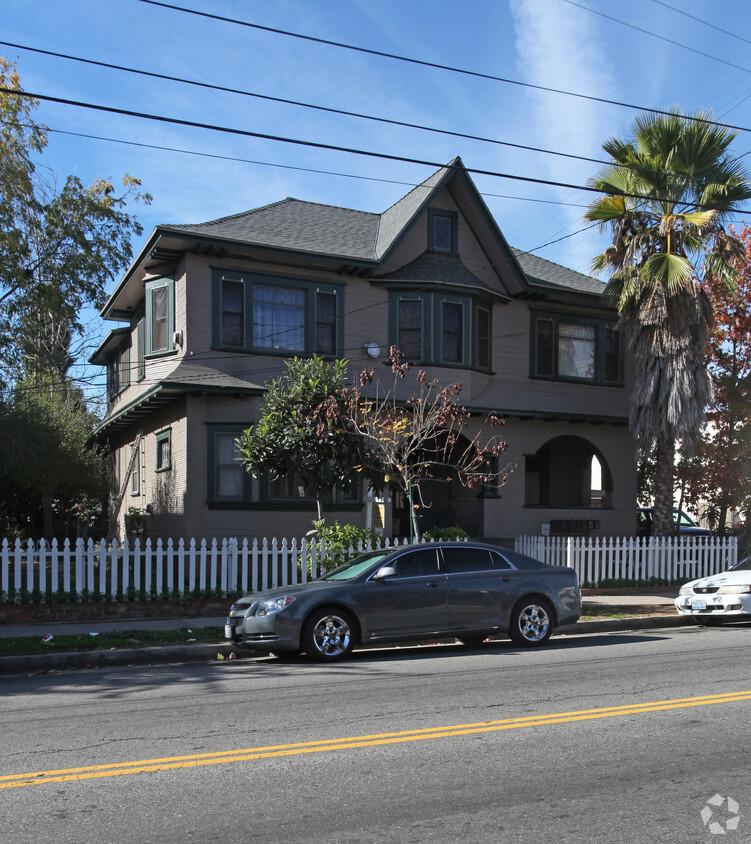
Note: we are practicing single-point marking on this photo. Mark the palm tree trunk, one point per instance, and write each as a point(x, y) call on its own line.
point(664, 478)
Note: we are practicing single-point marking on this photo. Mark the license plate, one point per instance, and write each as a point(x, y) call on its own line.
point(227, 631)
point(698, 605)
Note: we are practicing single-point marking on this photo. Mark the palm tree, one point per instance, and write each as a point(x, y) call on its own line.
point(665, 200)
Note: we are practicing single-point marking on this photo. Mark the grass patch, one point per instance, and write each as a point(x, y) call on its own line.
point(602, 611)
point(114, 639)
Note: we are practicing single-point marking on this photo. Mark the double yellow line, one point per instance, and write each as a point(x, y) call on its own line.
point(170, 763)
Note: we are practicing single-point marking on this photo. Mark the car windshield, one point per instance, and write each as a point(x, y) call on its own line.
point(356, 566)
point(742, 565)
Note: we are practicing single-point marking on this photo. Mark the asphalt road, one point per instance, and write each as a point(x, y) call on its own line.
point(607, 738)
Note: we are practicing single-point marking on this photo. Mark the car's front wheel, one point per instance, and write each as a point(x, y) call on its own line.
point(531, 622)
point(328, 635)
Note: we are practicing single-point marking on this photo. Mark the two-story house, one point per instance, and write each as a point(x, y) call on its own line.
point(211, 311)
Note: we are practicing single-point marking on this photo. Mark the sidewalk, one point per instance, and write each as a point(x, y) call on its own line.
point(643, 611)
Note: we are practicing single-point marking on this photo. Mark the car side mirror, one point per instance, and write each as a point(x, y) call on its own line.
point(384, 572)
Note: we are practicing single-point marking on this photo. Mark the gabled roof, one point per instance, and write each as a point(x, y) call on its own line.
point(353, 239)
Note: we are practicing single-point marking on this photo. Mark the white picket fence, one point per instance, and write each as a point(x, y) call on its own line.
point(130, 570)
point(154, 568)
point(667, 558)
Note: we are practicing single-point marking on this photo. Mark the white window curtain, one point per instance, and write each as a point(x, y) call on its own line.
point(279, 318)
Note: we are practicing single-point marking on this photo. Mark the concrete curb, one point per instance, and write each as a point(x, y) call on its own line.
point(38, 663)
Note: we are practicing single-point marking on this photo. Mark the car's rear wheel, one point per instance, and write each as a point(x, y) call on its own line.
point(707, 620)
point(328, 635)
point(531, 622)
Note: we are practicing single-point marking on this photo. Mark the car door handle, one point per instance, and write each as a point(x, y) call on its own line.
point(505, 579)
point(433, 585)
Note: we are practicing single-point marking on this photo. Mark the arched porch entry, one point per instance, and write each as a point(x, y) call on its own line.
point(567, 472)
point(443, 500)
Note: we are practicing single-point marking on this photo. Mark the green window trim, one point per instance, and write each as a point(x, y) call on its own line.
point(163, 462)
point(135, 475)
point(217, 436)
point(118, 372)
point(594, 343)
point(160, 316)
point(443, 233)
point(235, 319)
point(141, 350)
point(339, 501)
point(450, 328)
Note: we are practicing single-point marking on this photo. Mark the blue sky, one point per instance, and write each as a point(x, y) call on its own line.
point(551, 43)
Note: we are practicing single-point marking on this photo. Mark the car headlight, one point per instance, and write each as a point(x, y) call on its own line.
point(273, 605)
point(686, 590)
point(734, 590)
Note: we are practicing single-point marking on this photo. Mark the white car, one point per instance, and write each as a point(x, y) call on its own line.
point(720, 596)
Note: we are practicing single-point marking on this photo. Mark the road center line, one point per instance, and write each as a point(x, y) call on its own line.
point(327, 745)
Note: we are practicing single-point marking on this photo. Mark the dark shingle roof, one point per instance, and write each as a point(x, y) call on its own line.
point(295, 224)
point(435, 267)
point(348, 234)
point(543, 272)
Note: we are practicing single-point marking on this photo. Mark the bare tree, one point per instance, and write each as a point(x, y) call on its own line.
point(423, 433)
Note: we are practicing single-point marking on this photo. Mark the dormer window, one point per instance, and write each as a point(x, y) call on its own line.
point(442, 231)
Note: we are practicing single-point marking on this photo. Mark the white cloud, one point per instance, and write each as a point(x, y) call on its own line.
point(560, 46)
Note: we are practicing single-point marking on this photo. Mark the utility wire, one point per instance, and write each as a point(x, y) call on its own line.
point(299, 104)
point(702, 21)
point(647, 32)
point(320, 145)
point(436, 65)
point(316, 171)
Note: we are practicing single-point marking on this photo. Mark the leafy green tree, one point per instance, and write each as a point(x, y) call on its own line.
point(666, 197)
point(44, 428)
point(60, 244)
point(303, 431)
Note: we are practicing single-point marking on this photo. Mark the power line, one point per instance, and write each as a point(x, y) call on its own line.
point(702, 21)
point(300, 104)
point(646, 32)
point(317, 144)
point(436, 65)
point(281, 139)
point(314, 170)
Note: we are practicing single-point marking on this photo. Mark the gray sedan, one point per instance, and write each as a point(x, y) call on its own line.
point(468, 591)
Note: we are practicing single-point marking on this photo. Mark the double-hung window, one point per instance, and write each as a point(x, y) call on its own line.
point(119, 371)
point(266, 314)
point(140, 342)
point(410, 323)
point(160, 315)
point(228, 482)
point(452, 331)
point(164, 450)
point(573, 349)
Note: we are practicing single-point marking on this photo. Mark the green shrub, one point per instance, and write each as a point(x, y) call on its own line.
point(445, 534)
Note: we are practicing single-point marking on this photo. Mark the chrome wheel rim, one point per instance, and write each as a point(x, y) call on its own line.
point(332, 635)
point(534, 622)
